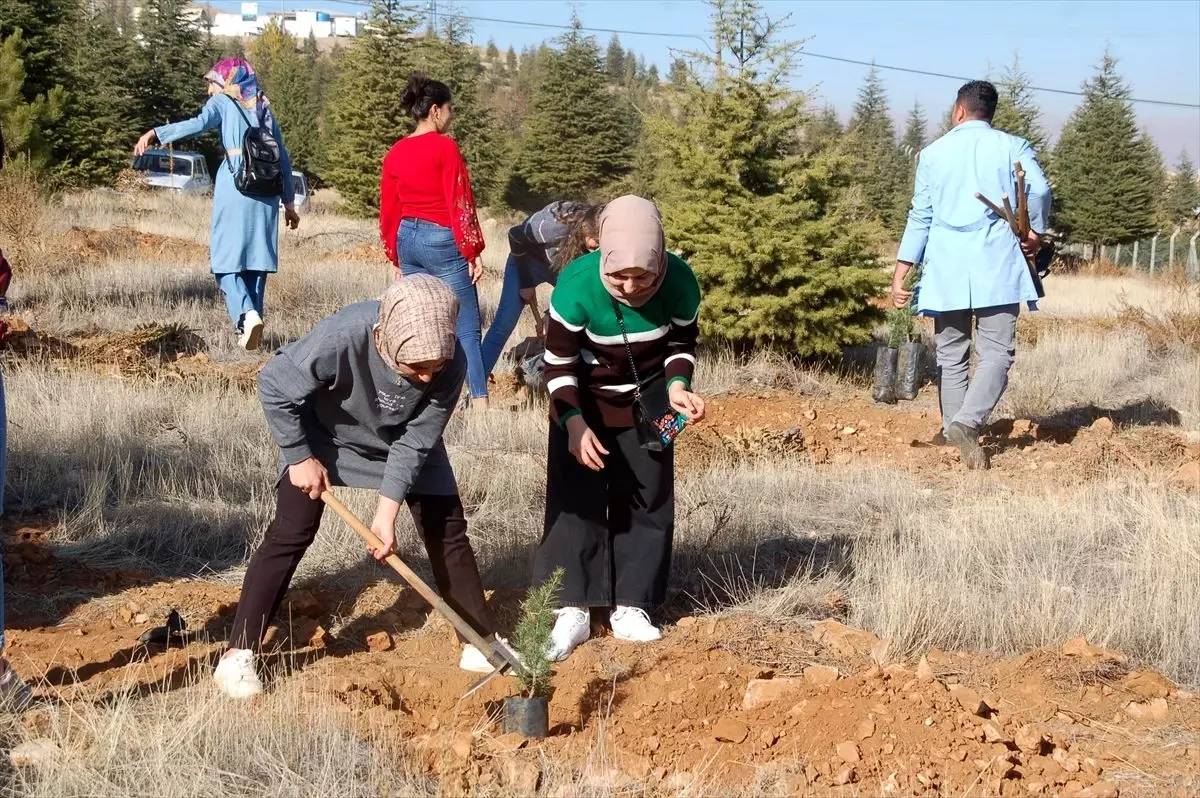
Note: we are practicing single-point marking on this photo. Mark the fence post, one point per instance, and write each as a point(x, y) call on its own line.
point(1171, 253)
point(1103, 247)
point(1193, 260)
point(1135, 251)
point(1117, 257)
point(1153, 250)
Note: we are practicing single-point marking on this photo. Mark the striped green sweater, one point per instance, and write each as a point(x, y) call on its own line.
point(587, 368)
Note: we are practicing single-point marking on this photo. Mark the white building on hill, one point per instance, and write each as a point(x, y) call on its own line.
point(250, 21)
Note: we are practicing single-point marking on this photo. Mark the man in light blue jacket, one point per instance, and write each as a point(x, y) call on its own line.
point(974, 272)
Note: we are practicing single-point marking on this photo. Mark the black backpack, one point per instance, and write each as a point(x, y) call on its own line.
point(261, 173)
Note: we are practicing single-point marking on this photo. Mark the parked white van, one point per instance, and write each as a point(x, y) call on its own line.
point(300, 187)
point(179, 171)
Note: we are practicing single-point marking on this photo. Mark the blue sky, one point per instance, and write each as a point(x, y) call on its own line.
point(1059, 42)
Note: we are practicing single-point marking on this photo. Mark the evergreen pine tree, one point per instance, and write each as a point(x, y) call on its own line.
point(914, 140)
point(1017, 111)
point(1183, 196)
point(614, 60)
point(510, 59)
point(173, 58)
point(1104, 170)
point(99, 122)
point(492, 52)
point(365, 117)
point(880, 169)
point(678, 74)
point(268, 49)
point(46, 28)
point(947, 122)
point(580, 135)
point(652, 78)
point(759, 222)
point(821, 131)
point(25, 121)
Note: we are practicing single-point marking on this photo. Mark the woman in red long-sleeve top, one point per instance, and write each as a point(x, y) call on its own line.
point(427, 216)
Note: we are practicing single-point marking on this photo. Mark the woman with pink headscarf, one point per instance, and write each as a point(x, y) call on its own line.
point(244, 242)
point(621, 337)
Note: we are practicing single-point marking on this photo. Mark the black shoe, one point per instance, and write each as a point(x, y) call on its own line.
point(969, 450)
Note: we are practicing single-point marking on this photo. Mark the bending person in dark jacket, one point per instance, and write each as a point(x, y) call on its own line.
point(362, 401)
point(539, 248)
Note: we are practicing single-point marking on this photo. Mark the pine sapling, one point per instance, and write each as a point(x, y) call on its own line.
point(531, 638)
point(902, 321)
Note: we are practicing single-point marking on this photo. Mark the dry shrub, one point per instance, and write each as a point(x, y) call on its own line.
point(24, 209)
point(1166, 328)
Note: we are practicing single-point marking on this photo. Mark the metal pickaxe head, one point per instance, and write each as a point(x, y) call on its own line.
point(502, 660)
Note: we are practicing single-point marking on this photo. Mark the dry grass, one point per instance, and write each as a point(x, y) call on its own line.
point(1083, 295)
point(178, 478)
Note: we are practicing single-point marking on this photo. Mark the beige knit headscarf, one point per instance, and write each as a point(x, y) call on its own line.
point(631, 237)
point(417, 318)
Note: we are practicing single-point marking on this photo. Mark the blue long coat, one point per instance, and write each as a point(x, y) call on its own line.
point(245, 230)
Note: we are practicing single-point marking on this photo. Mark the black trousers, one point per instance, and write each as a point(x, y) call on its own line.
point(610, 531)
point(439, 520)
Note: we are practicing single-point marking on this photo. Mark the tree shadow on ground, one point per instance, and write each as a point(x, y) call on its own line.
point(192, 288)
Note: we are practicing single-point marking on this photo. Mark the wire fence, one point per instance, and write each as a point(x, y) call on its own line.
point(1165, 252)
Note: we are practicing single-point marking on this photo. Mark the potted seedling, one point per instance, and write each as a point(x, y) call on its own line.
point(886, 359)
point(528, 714)
point(901, 334)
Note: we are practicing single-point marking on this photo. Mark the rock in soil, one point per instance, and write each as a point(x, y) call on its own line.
point(1148, 684)
point(844, 640)
point(1080, 647)
point(924, 671)
point(970, 701)
point(1153, 710)
point(761, 692)
point(34, 753)
point(520, 776)
point(729, 730)
point(380, 641)
point(848, 752)
point(820, 674)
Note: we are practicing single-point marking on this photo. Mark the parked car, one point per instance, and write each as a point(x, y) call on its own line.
point(300, 186)
point(178, 171)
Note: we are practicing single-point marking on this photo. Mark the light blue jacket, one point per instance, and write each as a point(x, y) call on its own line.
point(971, 257)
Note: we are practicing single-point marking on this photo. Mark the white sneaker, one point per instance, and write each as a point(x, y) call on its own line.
point(633, 623)
point(473, 659)
point(252, 329)
point(14, 693)
point(574, 626)
point(235, 675)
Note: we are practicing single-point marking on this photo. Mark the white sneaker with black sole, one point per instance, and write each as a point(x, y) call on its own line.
point(473, 659)
point(633, 623)
point(235, 675)
point(252, 330)
point(573, 627)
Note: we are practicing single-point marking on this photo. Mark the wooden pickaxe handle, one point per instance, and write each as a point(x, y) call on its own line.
point(496, 659)
point(1022, 202)
point(1006, 214)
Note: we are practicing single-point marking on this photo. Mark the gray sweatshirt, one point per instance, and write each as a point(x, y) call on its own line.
point(329, 395)
point(534, 242)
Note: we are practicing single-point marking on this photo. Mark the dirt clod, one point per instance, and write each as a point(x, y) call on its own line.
point(1148, 684)
point(924, 670)
point(1030, 739)
point(1080, 647)
point(844, 640)
point(761, 692)
point(865, 730)
point(379, 642)
point(1101, 789)
point(848, 752)
point(970, 700)
point(847, 775)
point(520, 776)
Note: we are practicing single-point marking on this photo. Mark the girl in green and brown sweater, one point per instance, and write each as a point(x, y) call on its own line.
point(610, 503)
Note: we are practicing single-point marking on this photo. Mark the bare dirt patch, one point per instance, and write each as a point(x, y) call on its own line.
point(847, 428)
point(719, 702)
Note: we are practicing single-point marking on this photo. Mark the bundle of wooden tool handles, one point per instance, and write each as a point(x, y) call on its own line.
point(1018, 222)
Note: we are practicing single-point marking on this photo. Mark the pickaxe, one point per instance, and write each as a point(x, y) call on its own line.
point(497, 653)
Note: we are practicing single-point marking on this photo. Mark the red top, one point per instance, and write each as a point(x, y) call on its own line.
point(425, 177)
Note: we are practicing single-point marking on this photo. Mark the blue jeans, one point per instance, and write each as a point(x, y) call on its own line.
point(507, 314)
point(428, 248)
point(244, 291)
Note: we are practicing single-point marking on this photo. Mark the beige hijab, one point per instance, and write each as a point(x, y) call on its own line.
point(631, 237)
point(417, 318)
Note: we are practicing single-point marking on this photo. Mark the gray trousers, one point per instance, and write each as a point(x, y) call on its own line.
point(970, 402)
